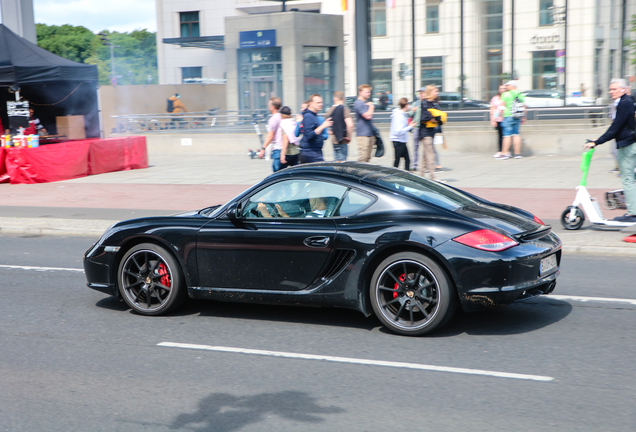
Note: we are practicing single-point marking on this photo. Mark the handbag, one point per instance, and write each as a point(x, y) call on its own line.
point(379, 144)
point(436, 113)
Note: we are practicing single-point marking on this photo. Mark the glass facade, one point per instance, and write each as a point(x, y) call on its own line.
point(544, 74)
point(381, 77)
point(189, 22)
point(432, 71)
point(378, 17)
point(190, 75)
point(545, 12)
point(432, 19)
point(319, 72)
point(260, 77)
point(492, 41)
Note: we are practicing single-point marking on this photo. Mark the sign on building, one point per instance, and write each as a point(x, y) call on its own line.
point(257, 39)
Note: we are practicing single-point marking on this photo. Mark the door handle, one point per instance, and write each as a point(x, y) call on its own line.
point(317, 241)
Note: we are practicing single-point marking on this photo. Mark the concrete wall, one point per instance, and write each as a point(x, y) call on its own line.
point(546, 142)
point(152, 99)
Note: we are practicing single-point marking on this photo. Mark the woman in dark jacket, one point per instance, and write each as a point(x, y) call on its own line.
point(426, 132)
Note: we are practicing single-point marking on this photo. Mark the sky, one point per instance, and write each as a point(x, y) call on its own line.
point(98, 15)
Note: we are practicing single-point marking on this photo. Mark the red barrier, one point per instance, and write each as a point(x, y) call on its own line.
point(4, 175)
point(117, 154)
point(64, 161)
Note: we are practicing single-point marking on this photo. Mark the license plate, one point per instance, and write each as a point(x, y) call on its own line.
point(547, 264)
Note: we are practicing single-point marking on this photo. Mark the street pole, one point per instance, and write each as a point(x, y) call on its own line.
point(461, 54)
point(512, 42)
point(112, 63)
point(413, 47)
point(623, 72)
point(565, 57)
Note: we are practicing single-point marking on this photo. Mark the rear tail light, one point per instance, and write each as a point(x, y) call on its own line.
point(486, 240)
point(539, 221)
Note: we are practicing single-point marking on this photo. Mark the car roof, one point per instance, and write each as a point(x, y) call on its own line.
point(351, 170)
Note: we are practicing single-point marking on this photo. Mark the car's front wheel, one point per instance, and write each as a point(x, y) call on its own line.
point(411, 294)
point(150, 280)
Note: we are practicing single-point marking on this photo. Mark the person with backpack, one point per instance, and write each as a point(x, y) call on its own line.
point(175, 106)
point(514, 114)
point(290, 142)
point(342, 127)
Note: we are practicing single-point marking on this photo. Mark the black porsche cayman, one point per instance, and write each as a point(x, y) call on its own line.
point(351, 235)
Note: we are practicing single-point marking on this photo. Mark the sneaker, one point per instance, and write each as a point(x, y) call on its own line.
point(504, 157)
point(497, 155)
point(625, 218)
point(518, 157)
point(615, 171)
point(438, 169)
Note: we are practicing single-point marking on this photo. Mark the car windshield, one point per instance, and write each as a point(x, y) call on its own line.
point(427, 191)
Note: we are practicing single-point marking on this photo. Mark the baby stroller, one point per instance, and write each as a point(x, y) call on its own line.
point(615, 200)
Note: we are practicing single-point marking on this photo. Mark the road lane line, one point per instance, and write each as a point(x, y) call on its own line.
point(588, 299)
point(357, 361)
point(40, 268)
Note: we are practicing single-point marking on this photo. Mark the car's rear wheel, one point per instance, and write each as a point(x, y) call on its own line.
point(411, 294)
point(150, 280)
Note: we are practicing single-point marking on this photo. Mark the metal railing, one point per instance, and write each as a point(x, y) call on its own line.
point(215, 121)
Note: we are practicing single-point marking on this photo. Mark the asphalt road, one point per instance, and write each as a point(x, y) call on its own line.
point(72, 359)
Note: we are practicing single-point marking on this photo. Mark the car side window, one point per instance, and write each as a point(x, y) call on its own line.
point(353, 202)
point(295, 199)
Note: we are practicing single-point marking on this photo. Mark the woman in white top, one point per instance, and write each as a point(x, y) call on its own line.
point(496, 115)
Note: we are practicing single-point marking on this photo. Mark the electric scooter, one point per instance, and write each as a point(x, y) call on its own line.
point(573, 217)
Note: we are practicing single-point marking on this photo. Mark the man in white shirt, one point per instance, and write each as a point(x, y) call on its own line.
point(274, 134)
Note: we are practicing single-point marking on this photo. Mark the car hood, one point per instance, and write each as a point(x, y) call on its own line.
point(499, 218)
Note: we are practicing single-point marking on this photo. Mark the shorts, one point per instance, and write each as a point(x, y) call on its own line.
point(510, 126)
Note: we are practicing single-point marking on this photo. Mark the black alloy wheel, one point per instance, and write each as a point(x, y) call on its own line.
point(575, 223)
point(150, 280)
point(411, 294)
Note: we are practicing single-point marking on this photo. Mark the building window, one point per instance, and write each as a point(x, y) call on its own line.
point(378, 18)
point(381, 79)
point(189, 24)
point(319, 71)
point(432, 19)
point(492, 43)
point(545, 12)
point(432, 71)
point(190, 75)
point(612, 63)
point(544, 74)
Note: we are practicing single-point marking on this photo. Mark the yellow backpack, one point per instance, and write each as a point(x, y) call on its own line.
point(436, 113)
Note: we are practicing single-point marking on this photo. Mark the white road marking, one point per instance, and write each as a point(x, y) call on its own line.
point(358, 361)
point(592, 299)
point(40, 268)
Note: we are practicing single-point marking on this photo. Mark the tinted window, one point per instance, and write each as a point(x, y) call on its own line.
point(427, 191)
point(354, 202)
point(295, 199)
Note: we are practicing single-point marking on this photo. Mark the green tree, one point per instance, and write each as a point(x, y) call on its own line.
point(70, 42)
point(135, 53)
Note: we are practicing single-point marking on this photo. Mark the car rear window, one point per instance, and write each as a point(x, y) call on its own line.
point(427, 191)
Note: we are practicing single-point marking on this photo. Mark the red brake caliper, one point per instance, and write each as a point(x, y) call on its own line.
point(163, 272)
point(402, 278)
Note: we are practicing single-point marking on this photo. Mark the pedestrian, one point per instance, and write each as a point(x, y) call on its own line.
point(496, 116)
point(290, 150)
point(274, 134)
point(364, 110)
point(383, 100)
point(342, 127)
point(176, 106)
point(400, 127)
point(623, 130)
point(424, 128)
point(312, 141)
point(513, 116)
point(389, 95)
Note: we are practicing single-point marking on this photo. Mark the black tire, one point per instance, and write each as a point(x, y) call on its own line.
point(411, 294)
point(150, 280)
point(575, 224)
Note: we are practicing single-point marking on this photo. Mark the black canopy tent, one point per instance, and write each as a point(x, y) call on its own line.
point(54, 86)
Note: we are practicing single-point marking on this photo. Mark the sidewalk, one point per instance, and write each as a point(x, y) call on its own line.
point(87, 206)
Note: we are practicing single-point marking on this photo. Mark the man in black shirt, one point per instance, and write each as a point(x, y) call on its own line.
point(623, 130)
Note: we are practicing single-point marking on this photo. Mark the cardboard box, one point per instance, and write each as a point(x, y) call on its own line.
point(72, 127)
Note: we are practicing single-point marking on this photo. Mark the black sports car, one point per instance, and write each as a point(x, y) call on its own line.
point(352, 235)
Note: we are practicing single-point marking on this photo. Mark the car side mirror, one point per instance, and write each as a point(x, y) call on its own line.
point(233, 211)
